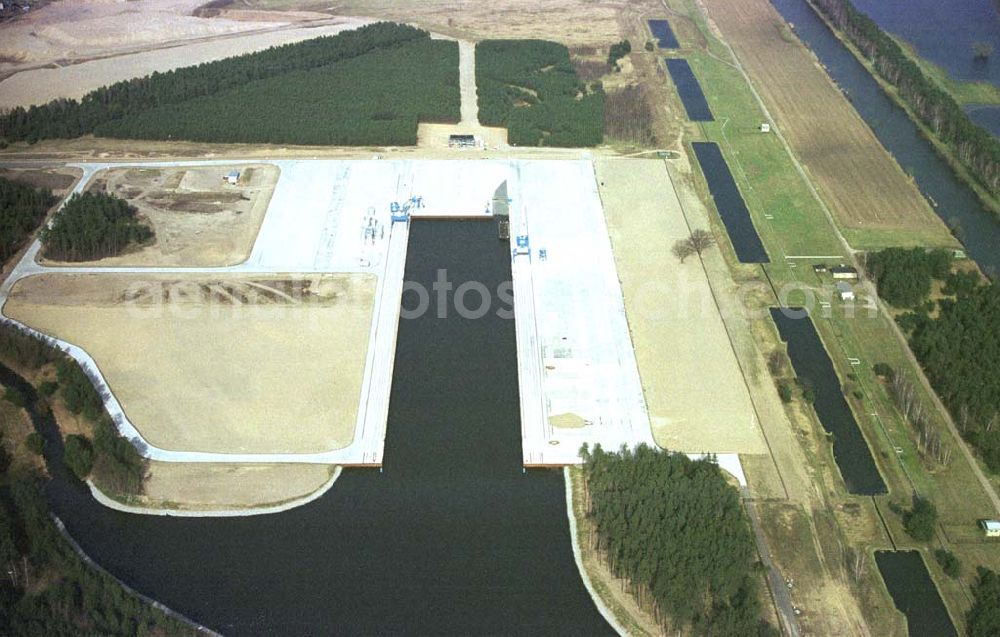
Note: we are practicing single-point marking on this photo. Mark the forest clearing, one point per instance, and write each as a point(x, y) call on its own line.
point(198, 218)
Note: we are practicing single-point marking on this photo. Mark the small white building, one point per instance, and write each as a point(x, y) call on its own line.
point(765, 127)
point(990, 527)
point(845, 291)
point(232, 178)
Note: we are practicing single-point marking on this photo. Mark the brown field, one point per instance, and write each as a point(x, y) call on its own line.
point(199, 220)
point(58, 180)
point(568, 21)
point(860, 182)
point(242, 364)
point(210, 486)
point(695, 392)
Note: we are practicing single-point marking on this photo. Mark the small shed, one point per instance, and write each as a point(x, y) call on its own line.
point(820, 268)
point(845, 291)
point(232, 178)
point(844, 272)
point(990, 527)
point(765, 127)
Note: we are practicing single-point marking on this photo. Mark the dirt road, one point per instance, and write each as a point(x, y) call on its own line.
point(467, 82)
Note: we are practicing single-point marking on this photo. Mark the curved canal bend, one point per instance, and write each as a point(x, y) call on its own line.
point(453, 537)
point(978, 228)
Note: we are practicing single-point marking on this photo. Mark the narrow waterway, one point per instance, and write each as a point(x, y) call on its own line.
point(452, 539)
point(814, 368)
point(914, 594)
point(957, 205)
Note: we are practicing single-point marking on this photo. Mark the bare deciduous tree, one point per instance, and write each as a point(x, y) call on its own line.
point(682, 249)
point(982, 50)
point(701, 240)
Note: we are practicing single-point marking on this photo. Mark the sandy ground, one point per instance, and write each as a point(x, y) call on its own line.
point(695, 392)
point(64, 31)
point(567, 21)
point(229, 486)
point(199, 220)
point(91, 65)
point(229, 365)
point(856, 176)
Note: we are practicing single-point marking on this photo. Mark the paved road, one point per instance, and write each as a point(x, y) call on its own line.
point(782, 598)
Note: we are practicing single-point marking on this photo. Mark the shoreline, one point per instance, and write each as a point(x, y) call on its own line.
point(961, 172)
point(265, 509)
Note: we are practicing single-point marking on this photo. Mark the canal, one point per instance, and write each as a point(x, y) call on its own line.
point(914, 594)
point(815, 370)
point(958, 206)
point(452, 538)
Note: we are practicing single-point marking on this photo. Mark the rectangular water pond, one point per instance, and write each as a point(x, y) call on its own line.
point(665, 38)
point(690, 90)
point(733, 210)
point(914, 594)
point(814, 368)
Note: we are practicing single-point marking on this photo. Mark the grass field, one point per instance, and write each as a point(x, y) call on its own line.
point(694, 389)
point(874, 202)
point(262, 364)
point(198, 219)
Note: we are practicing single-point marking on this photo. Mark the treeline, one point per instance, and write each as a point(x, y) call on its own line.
point(46, 589)
point(971, 144)
point(113, 461)
point(983, 619)
point(677, 534)
point(954, 338)
point(22, 208)
point(960, 351)
point(91, 226)
point(531, 88)
point(67, 118)
point(903, 276)
point(377, 99)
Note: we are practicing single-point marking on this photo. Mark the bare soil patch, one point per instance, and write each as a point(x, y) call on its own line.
point(696, 395)
point(210, 486)
point(58, 180)
point(863, 185)
point(261, 364)
point(572, 22)
point(198, 218)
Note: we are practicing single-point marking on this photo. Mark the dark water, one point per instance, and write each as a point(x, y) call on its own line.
point(979, 229)
point(451, 539)
point(733, 210)
point(664, 35)
point(813, 366)
point(690, 90)
point(944, 33)
point(986, 116)
point(914, 594)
